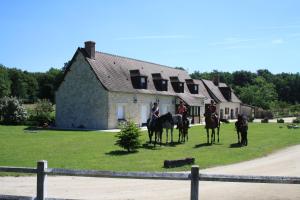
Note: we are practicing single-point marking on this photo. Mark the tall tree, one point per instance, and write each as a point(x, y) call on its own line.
point(4, 82)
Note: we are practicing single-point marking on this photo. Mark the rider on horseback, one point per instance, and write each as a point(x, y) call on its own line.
point(212, 108)
point(183, 111)
point(154, 113)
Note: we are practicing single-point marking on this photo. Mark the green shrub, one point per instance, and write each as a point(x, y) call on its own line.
point(128, 138)
point(265, 120)
point(280, 120)
point(12, 111)
point(43, 112)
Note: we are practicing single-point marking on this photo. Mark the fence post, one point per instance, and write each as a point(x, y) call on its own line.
point(194, 182)
point(41, 192)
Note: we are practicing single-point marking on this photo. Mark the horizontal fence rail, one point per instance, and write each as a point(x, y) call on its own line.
point(194, 176)
point(112, 174)
point(25, 170)
point(250, 179)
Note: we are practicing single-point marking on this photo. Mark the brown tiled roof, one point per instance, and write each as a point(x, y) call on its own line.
point(216, 93)
point(114, 73)
point(202, 89)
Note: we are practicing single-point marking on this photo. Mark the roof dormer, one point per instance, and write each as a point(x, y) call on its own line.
point(178, 86)
point(138, 80)
point(226, 92)
point(160, 83)
point(193, 87)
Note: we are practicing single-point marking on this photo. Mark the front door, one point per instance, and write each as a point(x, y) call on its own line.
point(144, 114)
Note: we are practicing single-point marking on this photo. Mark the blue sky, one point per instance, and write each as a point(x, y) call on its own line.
point(226, 35)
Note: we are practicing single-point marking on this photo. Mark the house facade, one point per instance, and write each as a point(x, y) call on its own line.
point(228, 104)
point(100, 90)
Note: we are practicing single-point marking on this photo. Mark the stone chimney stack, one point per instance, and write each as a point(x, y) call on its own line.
point(89, 47)
point(216, 80)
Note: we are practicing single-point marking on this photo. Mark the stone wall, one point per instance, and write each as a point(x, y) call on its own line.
point(81, 100)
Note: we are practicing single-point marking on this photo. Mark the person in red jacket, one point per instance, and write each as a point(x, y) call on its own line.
point(182, 110)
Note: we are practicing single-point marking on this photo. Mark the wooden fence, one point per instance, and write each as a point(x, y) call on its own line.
point(194, 176)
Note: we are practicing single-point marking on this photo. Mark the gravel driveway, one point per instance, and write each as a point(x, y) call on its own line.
point(282, 163)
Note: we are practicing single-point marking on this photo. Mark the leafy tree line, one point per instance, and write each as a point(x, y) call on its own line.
point(29, 86)
point(262, 89)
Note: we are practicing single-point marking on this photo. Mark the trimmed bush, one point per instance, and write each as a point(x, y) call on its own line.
point(128, 138)
point(280, 121)
point(42, 113)
point(12, 111)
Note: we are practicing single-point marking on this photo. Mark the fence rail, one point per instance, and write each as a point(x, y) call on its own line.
point(194, 176)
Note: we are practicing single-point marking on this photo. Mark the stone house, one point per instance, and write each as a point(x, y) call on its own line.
point(228, 104)
point(99, 90)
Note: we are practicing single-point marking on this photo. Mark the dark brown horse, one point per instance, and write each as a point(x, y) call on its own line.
point(241, 126)
point(212, 122)
point(183, 129)
point(156, 127)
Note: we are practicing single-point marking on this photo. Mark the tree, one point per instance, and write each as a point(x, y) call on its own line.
point(128, 138)
point(260, 94)
point(18, 85)
point(48, 83)
point(4, 82)
point(12, 111)
point(242, 78)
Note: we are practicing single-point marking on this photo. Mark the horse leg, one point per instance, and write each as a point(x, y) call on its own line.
point(207, 132)
point(155, 138)
point(212, 135)
point(171, 134)
point(160, 136)
point(218, 134)
point(167, 132)
point(179, 134)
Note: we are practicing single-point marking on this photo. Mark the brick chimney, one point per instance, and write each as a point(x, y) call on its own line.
point(89, 47)
point(216, 80)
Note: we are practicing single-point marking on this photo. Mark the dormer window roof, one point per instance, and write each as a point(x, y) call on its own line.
point(193, 88)
point(177, 85)
point(138, 80)
point(160, 83)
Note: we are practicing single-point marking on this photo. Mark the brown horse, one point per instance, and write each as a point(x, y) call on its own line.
point(183, 129)
point(212, 122)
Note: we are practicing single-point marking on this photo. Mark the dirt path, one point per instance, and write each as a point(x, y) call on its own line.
point(282, 163)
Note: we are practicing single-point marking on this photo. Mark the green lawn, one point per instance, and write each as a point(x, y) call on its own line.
point(96, 150)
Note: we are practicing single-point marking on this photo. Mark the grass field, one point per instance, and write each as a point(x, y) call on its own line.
point(96, 150)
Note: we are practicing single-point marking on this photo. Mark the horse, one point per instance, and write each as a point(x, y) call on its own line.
point(157, 127)
point(241, 126)
point(238, 132)
point(212, 123)
point(177, 119)
point(183, 130)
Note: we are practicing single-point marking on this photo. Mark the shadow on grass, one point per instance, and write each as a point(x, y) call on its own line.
point(235, 145)
point(202, 145)
point(120, 153)
point(151, 146)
